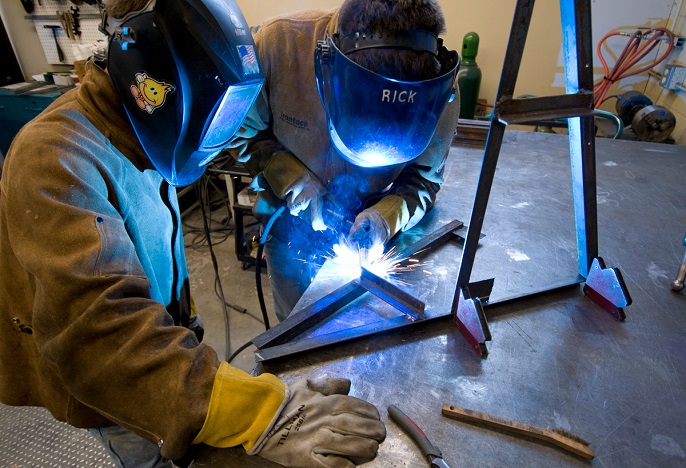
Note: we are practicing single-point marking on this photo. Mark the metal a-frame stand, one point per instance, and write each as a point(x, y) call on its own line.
point(603, 285)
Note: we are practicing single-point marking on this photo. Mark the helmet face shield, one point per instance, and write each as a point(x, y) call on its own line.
point(378, 121)
point(187, 73)
point(229, 115)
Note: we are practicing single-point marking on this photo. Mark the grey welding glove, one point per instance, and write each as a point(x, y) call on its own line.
point(321, 426)
point(291, 181)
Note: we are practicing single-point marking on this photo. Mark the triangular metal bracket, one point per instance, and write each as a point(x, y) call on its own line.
point(605, 286)
point(576, 106)
point(470, 319)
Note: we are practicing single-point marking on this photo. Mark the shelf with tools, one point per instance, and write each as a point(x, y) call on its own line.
point(66, 33)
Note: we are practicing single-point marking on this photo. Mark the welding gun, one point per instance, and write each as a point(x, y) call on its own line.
point(337, 219)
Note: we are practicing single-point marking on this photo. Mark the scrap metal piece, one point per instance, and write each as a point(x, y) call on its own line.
point(605, 286)
point(482, 289)
point(678, 283)
point(393, 295)
point(471, 132)
point(460, 235)
point(562, 439)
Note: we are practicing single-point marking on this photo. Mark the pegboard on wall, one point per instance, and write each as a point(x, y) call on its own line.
point(45, 13)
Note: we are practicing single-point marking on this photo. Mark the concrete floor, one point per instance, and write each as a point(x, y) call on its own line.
point(239, 290)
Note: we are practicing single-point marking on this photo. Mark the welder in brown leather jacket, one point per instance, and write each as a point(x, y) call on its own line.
point(94, 303)
point(356, 117)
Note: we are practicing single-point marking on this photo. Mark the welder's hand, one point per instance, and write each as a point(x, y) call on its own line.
point(369, 229)
point(291, 181)
point(321, 426)
point(307, 193)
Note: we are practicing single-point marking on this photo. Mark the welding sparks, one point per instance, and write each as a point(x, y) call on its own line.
point(349, 262)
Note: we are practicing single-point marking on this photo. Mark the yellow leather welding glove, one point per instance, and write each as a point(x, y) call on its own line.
point(321, 426)
point(379, 223)
point(241, 408)
point(290, 180)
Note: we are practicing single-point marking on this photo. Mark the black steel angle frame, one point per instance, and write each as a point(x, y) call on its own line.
point(313, 314)
point(577, 105)
point(603, 285)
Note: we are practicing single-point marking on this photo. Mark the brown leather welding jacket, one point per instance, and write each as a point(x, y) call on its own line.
point(288, 116)
point(92, 274)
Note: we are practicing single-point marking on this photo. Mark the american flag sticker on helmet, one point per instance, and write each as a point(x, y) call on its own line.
point(250, 64)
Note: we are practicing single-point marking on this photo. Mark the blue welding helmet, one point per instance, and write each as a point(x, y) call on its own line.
point(374, 120)
point(187, 73)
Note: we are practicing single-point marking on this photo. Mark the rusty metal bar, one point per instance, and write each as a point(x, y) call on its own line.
point(393, 295)
point(517, 111)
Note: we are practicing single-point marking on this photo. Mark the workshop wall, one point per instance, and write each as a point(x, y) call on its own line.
point(80, 29)
point(542, 70)
point(542, 67)
point(22, 34)
point(674, 100)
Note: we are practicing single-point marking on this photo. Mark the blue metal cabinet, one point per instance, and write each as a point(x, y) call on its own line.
point(18, 109)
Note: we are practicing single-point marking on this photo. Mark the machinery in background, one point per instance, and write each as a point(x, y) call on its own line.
point(648, 121)
point(469, 76)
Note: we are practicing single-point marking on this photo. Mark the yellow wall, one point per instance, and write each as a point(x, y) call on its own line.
point(542, 71)
point(542, 67)
point(491, 19)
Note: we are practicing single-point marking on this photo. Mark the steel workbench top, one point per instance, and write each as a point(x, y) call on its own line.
point(556, 360)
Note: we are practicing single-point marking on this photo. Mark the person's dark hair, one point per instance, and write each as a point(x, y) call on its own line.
point(393, 17)
point(119, 8)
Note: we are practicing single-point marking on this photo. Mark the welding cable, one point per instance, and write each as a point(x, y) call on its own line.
point(258, 264)
point(633, 53)
point(199, 191)
point(238, 351)
point(197, 234)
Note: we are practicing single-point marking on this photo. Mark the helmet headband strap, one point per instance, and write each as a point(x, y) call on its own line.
point(421, 41)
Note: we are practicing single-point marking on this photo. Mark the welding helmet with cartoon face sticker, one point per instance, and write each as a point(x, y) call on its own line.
point(187, 72)
point(375, 120)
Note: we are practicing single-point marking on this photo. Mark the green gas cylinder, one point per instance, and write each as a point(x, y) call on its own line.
point(469, 76)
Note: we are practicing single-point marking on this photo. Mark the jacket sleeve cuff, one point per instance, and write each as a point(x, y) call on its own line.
point(393, 209)
point(283, 172)
point(242, 408)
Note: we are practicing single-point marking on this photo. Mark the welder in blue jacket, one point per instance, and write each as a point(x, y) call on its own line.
point(356, 117)
point(95, 316)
